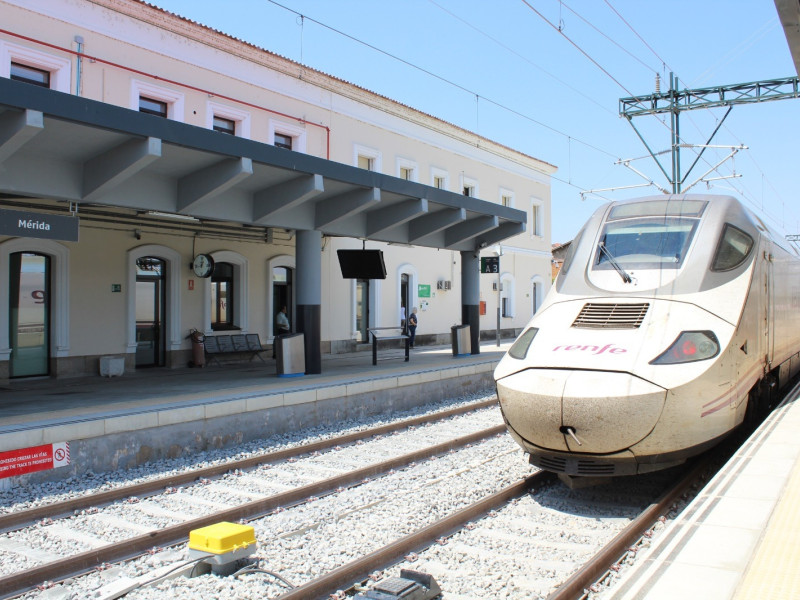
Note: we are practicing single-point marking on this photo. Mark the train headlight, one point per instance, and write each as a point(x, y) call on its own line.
point(520, 348)
point(690, 346)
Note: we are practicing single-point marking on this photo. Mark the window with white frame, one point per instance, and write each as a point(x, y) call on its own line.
point(469, 186)
point(287, 135)
point(367, 158)
point(40, 77)
point(154, 107)
point(32, 66)
point(440, 178)
point(153, 99)
point(507, 295)
point(537, 293)
point(537, 209)
point(224, 125)
point(220, 117)
point(282, 141)
point(225, 295)
point(506, 197)
point(406, 169)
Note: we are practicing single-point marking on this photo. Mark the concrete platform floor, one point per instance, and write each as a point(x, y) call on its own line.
point(47, 399)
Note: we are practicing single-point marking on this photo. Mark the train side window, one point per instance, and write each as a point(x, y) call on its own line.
point(571, 252)
point(733, 249)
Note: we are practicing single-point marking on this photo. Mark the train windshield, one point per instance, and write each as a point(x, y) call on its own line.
point(645, 243)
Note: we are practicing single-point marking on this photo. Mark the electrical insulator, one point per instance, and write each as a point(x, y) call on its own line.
point(658, 83)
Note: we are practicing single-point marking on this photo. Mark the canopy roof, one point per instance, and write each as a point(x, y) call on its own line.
point(64, 147)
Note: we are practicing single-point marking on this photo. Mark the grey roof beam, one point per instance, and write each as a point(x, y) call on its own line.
point(458, 234)
point(285, 195)
point(106, 171)
point(209, 182)
point(390, 217)
point(17, 128)
point(344, 205)
point(506, 230)
point(434, 223)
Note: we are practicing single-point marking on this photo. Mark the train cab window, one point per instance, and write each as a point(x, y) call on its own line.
point(646, 243)
point(733, 249)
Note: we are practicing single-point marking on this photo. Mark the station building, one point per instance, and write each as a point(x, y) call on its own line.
point(136, 144)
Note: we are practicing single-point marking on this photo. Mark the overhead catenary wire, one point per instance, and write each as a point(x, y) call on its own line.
point(472, 93)
point(560, 30)
point(609, 38)
point(522, 57)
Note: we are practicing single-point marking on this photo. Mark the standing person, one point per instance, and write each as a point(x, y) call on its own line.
point(281, 327)
point(412, 326)
point(282, 321)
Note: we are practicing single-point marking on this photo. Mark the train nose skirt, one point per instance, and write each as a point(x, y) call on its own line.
point(585, 467)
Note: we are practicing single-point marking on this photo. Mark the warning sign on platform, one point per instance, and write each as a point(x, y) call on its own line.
point(38, 458)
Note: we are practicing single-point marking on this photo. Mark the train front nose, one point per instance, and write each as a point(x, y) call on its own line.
point(606, 412)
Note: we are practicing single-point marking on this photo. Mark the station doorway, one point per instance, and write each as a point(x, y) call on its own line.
point(405, 301)
point(29, 314)
point(282, 296)
point(151, 300)
point(362, 309)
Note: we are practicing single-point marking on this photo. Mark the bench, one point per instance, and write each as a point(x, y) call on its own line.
point(386, 333)
point(234, 346)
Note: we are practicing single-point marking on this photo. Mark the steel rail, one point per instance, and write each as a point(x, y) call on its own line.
point(23, 517)
point(360, 568)
point(599, 564)
point(17, 583)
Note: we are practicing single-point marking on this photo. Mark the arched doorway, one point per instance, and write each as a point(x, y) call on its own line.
point(29, 314)
point(158, 293)
point(55, 300)
point(151, 299)
point(282, 295)
point(362, 309)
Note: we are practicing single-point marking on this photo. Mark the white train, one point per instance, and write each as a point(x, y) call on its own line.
point(672, 320)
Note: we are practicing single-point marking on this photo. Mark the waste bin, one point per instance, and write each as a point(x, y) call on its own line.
point(290, 352)
point(198, 348)
point(460, 336)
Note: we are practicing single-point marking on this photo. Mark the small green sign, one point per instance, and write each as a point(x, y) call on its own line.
point(424, 291)
point(116, 287)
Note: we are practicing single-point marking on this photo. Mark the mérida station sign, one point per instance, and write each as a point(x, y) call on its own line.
point(30, 224)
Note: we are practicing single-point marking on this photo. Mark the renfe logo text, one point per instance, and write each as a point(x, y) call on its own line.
point(593, 349)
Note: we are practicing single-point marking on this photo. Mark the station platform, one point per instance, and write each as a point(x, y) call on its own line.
point(740, 537)
point(119, 422)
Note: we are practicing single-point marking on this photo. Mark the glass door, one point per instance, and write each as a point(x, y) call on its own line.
point(362, 309)
point(150, 303)
point(29, 314)
point(405, 305)
point(282, 296)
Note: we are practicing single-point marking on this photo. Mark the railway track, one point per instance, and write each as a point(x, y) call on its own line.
point(21, 516)
point(296, 474)
point(466, 510)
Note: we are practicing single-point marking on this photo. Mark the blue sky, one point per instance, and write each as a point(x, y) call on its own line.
point(508, 73)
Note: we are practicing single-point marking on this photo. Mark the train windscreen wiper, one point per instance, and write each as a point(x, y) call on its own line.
point(617, 267)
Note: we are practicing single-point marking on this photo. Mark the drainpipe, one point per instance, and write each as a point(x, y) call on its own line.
point(79, 42)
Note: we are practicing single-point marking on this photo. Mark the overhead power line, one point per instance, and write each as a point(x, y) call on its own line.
point(581, 50)
point(508, 48)
point(636, 33)
point(609, 38)
point(445, 80)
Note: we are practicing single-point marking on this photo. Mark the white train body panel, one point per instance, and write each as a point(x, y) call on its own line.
point(636, 366)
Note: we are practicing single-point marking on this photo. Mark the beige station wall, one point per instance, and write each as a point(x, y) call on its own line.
point(338, 121)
